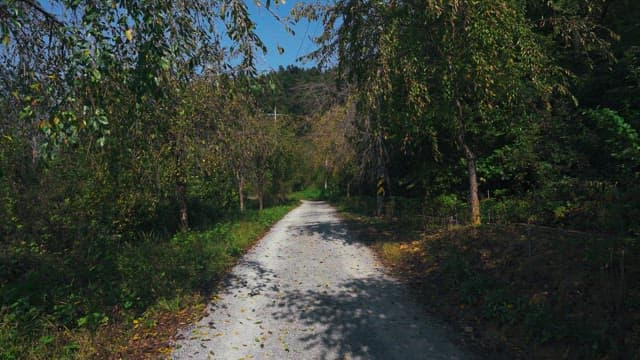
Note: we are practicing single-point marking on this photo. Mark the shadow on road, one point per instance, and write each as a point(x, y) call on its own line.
point(370, 317)
point(363, 319)
point(326, 292)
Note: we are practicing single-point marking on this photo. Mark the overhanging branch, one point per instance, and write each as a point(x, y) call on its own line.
point(38, 8)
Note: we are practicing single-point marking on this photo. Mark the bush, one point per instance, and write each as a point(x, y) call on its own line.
point(508, 210)
point(446, 205)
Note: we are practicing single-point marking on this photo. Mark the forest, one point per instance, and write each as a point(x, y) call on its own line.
point(141, 153)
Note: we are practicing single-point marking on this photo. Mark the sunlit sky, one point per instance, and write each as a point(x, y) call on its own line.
point(272, 33)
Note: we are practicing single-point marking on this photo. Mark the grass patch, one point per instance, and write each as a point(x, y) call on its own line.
point(313, 194)
point(131, 306)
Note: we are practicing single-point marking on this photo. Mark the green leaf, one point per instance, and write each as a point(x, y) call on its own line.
point(82, 321)
point(46, 339)
point(164, 63)
point(95, 75)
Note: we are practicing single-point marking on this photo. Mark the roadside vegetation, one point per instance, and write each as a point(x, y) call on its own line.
point(493, 144)
point(513, 290)
point(134, 302)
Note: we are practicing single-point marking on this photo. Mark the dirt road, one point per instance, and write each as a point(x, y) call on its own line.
point(306, 291)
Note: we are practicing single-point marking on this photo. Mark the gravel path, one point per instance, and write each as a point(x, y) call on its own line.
point(306, 291)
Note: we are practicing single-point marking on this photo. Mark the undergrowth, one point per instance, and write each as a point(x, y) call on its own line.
point(515, 290)
point(55, 311)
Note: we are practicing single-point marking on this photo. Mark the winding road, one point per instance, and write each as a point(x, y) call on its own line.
point(308, 291)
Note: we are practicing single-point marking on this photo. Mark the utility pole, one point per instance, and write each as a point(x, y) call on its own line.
point(275, 113)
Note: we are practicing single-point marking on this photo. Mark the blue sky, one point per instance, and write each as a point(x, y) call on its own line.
point(274, 34)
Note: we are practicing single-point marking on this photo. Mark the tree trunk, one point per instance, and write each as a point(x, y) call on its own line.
point(241, 192)
point(382, 185)
point(35, 153)
point(381, 190)
point(182, 203)
point(260, 197)
point(474, 201)
point(380, 196)
point(326, 174)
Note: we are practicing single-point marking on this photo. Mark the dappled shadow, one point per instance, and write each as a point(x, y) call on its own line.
point(252, 279)
point(309, 291)
point(316, 223)
point(363, 318)
point(367, 316)
point(326, 230)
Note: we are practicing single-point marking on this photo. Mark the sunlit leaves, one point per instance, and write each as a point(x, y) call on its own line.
point(129, 34)
point(98, 47)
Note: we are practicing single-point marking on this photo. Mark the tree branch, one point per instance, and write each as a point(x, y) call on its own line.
point(36, 7)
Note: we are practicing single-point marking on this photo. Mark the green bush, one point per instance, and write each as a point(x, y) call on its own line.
point(455, 265)
point(507, 210)
point(311, 193)
point(541, 324)
point(446, 205)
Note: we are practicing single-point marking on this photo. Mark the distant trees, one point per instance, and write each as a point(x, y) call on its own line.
point(334, 157)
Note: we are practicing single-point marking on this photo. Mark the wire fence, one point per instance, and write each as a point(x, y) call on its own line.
point(418, 214)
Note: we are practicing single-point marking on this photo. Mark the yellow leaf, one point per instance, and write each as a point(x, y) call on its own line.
point(129, 34)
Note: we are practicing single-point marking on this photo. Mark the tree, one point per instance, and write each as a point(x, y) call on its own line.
point(334, 153)
point(462, 72)
point(239, 121)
